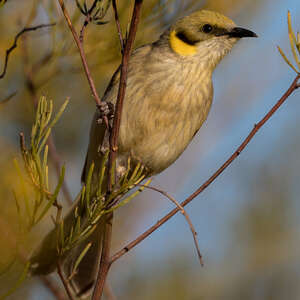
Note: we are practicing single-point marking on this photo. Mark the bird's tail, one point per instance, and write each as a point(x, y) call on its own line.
point(45, 259)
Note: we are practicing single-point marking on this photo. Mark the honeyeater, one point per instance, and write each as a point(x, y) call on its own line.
point(168, 97)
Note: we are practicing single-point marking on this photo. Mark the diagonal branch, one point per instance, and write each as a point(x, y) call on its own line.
point(128, 247)
point(14, 45)
point(182, 210)
point(104, 261)
point(82, 55)
point(118, 25)
point(64, 281)
point(53, 287)
point(7, 98)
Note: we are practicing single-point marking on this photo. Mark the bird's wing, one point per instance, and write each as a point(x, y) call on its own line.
point(98, 133)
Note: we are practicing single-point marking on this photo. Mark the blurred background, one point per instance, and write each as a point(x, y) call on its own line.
point(247, 220)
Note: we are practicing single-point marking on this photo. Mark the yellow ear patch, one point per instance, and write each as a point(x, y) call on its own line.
point(180, 47)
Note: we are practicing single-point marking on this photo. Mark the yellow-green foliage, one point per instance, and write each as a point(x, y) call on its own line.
point(295, 47)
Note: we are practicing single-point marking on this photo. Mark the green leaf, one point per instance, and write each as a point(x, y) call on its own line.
point(88, 188)
point(293, 41)
point(54, 196)
point(286, 59)
point(81, 256)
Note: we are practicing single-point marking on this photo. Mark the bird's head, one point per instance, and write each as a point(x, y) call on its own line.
point(205, 33)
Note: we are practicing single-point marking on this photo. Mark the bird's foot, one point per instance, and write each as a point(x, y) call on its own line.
point(106, 109)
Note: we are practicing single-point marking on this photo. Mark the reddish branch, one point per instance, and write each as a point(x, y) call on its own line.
point(194, 233)
point(246, 141)
point(6, 99)
point(118, 25)
point(14, 45)
point(64, 281)
point(82, 55)
point(53, 287)
point(122, 86)
point(104, 262)
point(113, 141)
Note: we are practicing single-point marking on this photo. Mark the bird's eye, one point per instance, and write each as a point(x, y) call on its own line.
point(207, 28)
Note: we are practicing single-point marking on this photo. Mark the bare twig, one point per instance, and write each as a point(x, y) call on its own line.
point(180, 207)
point(14, 45)
point(6, 99)
point(104, 263)
point(120, 34)
point(246, 141)
point(64, 281)
point(85, 24)
point(50, 284)
point(122, 87)
point(82, 55)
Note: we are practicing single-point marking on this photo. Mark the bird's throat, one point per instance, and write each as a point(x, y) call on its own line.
point(180, 46)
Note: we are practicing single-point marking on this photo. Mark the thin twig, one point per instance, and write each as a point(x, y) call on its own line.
point(6, 99)
point(85, 24)
point(82, 55)
point(104, 263)
point(14, 45)
point(180, 207)
point(113, 138)
point(120, 34)
point(243, 145)
point(64, 281)
point(51, 285)
point(122, 87)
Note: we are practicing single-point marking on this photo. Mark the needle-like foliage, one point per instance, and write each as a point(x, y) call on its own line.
point(295, 47)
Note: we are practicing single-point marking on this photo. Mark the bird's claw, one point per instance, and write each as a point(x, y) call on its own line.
point(106, 109)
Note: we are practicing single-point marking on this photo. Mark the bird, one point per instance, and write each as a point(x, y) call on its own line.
point(168, 97)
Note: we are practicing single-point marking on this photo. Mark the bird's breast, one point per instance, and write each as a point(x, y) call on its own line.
point(161, 115)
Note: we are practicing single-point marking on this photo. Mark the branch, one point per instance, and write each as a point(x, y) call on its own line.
point(14, 45)
point(246, 141)
point(113, 140)
point(104, 262)
point(64, 281)
point(192, 228)
point(118, 25)
point(122, 87)
point(82, 55)
point(6, 99)
point(53, 287)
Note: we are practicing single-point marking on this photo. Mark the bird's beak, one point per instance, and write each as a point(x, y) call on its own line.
point(239, 32)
